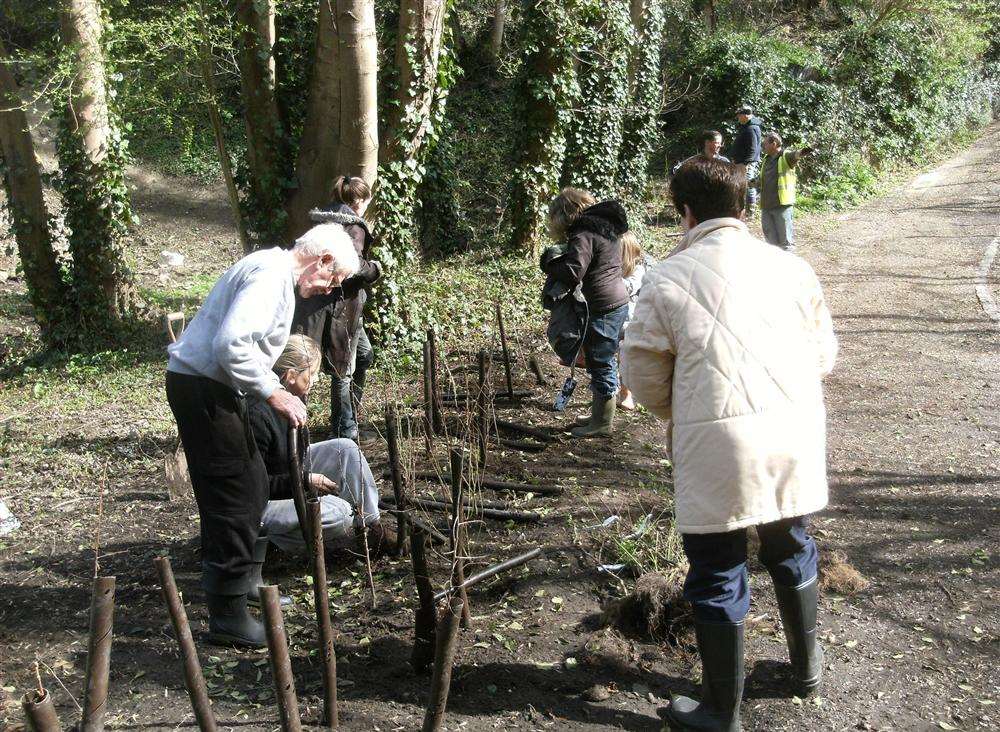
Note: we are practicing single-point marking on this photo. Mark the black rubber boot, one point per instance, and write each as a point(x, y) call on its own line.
point(797, 606)
point(231, 624)
point(720, 646)
point(257, 575)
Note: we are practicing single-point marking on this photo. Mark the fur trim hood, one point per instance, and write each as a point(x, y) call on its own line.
point(607, 219)
point(339, 214)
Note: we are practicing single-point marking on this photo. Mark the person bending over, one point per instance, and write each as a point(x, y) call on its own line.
point(224, 356)
point(730, 342)
point(339, 473)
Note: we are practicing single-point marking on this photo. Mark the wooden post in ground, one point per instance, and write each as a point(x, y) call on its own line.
point(429, 402)
point(95, 696)
point(194, 680)
point(438, 419)
point(482, 421)
point(321, 601)
point(281, 664)
point(459, 536)
point(396, 473)
point(425, 617)
point(506, 353)
point(444, 660)
point(41, 714)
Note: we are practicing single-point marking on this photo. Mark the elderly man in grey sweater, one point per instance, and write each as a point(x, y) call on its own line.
point(225, 355)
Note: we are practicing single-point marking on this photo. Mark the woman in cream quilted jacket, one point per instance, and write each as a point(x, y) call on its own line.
point(730, 342)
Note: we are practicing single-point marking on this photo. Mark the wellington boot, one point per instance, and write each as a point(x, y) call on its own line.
point(231, 624)
point(257, 575)
point(797, 606)
point(602, 417)
point(720, 646)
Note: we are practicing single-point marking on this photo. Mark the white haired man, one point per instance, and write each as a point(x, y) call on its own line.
point(225, 355)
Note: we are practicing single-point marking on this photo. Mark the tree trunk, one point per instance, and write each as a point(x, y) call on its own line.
point(318, 147)
point(212, 104)
point(30, 217)
point(496, 33)
point(418, 47)
point(265, 143)
point(358, 151)
point(95, 194)
point(547, 90)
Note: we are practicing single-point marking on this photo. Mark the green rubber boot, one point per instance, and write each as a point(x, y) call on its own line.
point(602, 417)
point(720, 646)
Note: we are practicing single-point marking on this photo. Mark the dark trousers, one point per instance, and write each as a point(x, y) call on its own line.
point(600, 348)
point(716, 583)
point(228, 475)
point(345, 392)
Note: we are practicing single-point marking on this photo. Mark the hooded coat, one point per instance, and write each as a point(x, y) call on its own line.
point(593, 257)
point(731, 341)
point(333, 320)
point(746, 145)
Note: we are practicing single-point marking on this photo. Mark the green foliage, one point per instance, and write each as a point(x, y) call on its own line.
point(594, 138)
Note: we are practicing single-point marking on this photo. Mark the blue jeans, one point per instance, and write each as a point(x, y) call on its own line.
point(778, 230)
point(716, 583)
point(345, 392)
point(600, 346)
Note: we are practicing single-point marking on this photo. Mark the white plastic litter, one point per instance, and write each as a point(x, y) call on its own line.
point(174, 260)
point(606, 523)
point(610, 568)
point(8, 521)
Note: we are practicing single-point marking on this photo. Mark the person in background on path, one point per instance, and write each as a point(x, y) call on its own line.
point(730, 342)
point(592, 258)
point(711, 145)
point(745, 151)
point(224, 356)
point(339, 473)
point(335, 322)
point(635, 263)
point(777, 191)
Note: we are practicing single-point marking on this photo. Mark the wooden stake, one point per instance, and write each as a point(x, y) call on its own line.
point(194, 680)
point(425, 617)
point(444, 660)
point(437, 421)
point(95, 698)
point(482, 423)
point(506, 353)
point(281, 664)
point(429, 402)
point(41, 714)
point(396, 471)
point(321, 603)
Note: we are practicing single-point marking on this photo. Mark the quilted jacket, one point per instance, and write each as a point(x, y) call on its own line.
point(731, 340)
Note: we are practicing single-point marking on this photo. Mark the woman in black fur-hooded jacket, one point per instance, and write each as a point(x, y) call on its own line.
point(335, 322)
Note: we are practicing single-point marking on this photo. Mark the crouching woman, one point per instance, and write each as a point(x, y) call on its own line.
point(339, 473)
point(731, 340)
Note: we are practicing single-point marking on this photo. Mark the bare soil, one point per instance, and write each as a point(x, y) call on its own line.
point(909, 613)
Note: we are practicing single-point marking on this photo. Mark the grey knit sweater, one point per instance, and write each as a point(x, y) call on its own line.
point(242, 326)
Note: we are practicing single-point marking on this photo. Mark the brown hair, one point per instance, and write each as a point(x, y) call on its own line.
point(566, 208)
point(712, 189)
point(631, 252)
point(351, 191)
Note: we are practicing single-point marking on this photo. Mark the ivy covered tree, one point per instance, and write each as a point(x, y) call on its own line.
point(91, 151)
point(547, 89)
point(645, 90)
point(594, 138)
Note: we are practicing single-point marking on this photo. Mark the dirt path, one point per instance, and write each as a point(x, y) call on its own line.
point(914, 462)
point(914, 452)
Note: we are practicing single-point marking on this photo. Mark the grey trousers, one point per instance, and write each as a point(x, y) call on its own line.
point(342, 461)
point(778, 229)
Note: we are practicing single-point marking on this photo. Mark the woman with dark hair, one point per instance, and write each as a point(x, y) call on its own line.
point(336, 322)
point(591, 259)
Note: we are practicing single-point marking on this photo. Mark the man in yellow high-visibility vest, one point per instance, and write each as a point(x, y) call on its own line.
point(777, 191)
